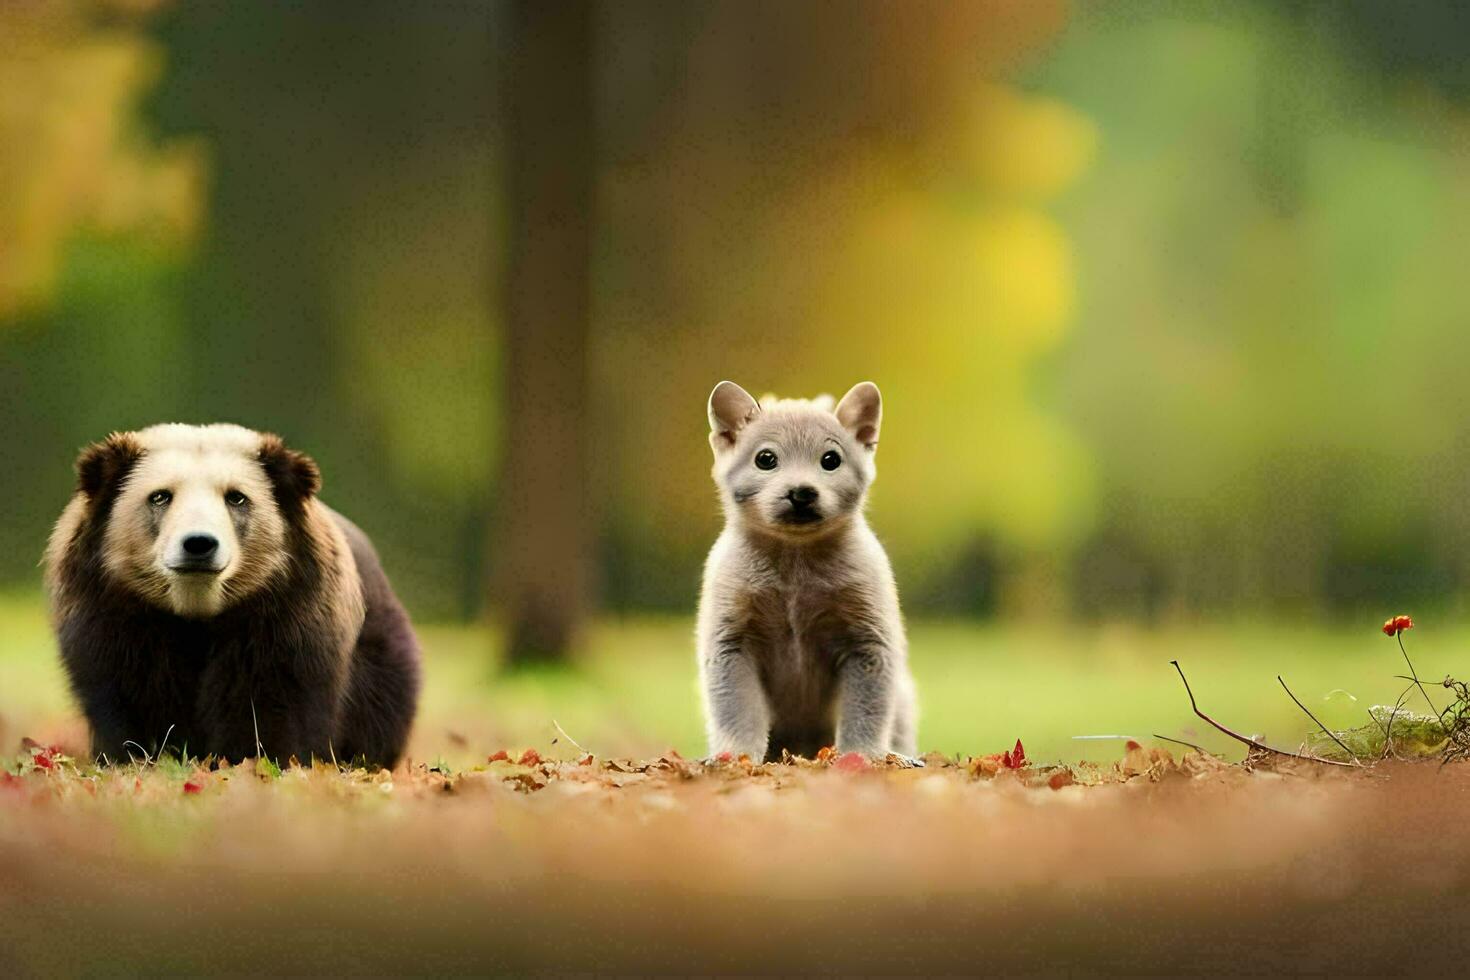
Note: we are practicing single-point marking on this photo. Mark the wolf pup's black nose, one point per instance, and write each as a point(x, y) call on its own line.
point(802, 496)
point(201, 545)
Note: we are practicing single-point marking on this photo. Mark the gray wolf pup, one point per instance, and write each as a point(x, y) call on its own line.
point(801, 643)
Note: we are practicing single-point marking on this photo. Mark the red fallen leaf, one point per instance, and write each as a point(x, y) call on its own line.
point(744, 759)
point(989, 765)
point(43, 759)
point(1130, 745)
point(586, 760)
point(851, 762)
point(501, 756)
point(826, 753)
point(1060, 778)
point(530, 757)
point(193, 787)
point(724, 757)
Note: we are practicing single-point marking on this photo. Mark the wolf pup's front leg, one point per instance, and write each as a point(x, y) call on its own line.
point(738, 720)
point(866, 701)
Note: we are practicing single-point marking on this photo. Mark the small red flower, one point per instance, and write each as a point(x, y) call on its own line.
point(1396, 625)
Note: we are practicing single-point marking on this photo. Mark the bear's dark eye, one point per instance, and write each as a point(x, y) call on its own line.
point(831, 459)
point(158, 498)
point(765, 460)
point(236, 499)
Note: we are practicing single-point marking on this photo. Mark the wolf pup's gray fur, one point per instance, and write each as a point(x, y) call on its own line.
point(801, 644)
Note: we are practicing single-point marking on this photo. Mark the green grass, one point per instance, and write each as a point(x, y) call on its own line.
point(633, 691)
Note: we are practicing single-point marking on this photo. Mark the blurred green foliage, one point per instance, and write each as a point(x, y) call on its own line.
point(1266, 362)
point(632, 691)
point(1164, 301)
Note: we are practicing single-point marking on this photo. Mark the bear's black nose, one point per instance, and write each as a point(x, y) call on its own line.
point(201, 545)
point(802, 496)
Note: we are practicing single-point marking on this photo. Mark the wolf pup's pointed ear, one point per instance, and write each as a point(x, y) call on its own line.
point(294, 475)
point(102, 465)
point(861, 413)
point(730, 409)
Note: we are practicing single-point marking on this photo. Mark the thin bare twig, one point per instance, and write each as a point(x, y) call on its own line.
point(568, 737)
point(1325, 730)
point(1393, 715)
point(1180, 741)
point(1246, 739)
point(1400, 637)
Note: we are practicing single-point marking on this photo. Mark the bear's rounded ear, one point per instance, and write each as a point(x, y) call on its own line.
point(861, 413)
point(102, 465)
point(294, 475)
point(730, 409)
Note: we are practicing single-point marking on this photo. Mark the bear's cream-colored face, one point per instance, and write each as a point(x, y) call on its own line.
point(793, 468)
point(195, 525)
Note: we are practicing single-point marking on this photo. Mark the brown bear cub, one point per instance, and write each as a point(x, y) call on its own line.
point(205, 600)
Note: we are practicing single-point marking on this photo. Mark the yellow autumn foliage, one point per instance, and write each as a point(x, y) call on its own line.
point(934, 270)
point(71, 156)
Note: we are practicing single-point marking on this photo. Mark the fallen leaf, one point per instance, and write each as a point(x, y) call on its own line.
point(193, 787)
point(1138, 760)
point(996, 762)
point(1060, 778)
point(501, 756)
point(530, 757)
point(1014, 759)
point(852, 762)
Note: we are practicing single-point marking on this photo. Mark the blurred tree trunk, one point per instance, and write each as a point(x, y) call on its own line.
point(545, 532)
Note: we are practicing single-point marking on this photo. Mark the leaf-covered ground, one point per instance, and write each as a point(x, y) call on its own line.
point(1152, 863)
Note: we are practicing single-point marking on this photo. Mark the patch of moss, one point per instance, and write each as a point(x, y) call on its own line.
point(1412, 735)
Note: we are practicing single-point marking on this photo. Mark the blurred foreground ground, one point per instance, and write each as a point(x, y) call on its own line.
point(671, 866)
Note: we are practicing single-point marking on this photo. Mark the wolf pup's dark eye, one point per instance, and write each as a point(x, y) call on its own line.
point(765, 460)
point(159, 497)
point(236, 499)
point(831, 459)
